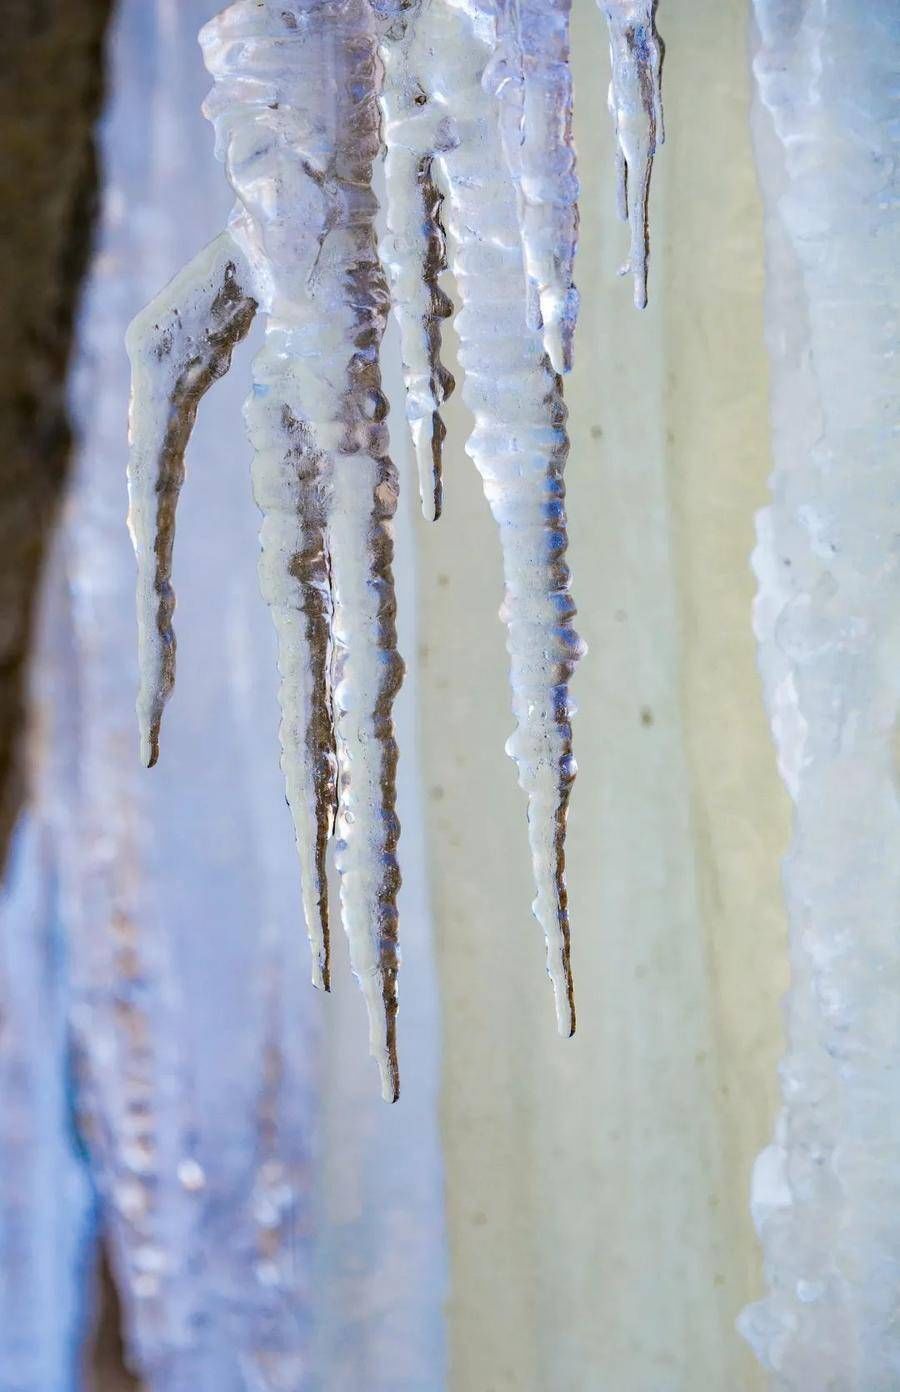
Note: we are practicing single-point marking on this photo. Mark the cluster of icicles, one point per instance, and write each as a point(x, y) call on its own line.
point(472, 100)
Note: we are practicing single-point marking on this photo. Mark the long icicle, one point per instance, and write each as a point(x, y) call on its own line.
point(292, 486)
point(519, 445)
point(296, 113)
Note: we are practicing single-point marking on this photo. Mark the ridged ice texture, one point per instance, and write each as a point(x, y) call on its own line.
point(826, 1193)
point(414, 249)
point(529, 74)
point(519, 445)
point(297, 124)
point(635, 104)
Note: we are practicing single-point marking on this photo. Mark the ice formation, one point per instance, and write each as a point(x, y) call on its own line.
point(826, 1193)
point(529, 74)
point(297, 122)
point(476, 114)
point(635, 104)
point(519, 445)
point(414, 249)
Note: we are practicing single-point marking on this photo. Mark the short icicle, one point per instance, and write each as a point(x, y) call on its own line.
point(532, 80)
point(178, 346)
point(635, 104)
point(414, 249)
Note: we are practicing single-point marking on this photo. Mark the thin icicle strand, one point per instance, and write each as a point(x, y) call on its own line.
point(531, 78)
point(292, 487)
point(414, 250)
point(635, 104)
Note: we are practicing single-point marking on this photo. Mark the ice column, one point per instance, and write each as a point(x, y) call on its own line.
point(826, 1193)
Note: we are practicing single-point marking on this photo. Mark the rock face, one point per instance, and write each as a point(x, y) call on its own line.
point(51, 77)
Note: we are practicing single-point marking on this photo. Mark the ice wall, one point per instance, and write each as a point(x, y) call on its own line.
point(46, 1203)
point(826, 1193)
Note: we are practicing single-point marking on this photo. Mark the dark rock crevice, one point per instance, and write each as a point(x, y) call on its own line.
point(51, 87)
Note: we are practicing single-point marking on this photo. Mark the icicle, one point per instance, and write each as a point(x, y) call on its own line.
point(414, 250)
point(530, 75)
point(635, 104)
point(297, 123)
point(519, 446)
point(292, 487)
point(367, 674)
point(826, 1192)
point(178, 346)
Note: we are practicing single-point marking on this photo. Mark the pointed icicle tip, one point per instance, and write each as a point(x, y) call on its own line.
point(380, 997)
point(565, 1007)
point(150, 747)
point(390, 1084)
point(321, 976)
point(428, 437)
